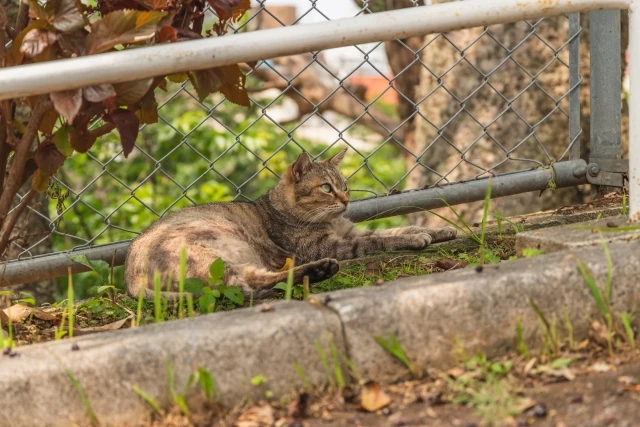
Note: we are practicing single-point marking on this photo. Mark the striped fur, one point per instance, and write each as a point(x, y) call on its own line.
point(297, 219)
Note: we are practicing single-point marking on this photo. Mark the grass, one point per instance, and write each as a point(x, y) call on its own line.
point(393, 347)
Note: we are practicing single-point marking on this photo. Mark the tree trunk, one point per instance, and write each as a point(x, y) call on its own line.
point(470, 127)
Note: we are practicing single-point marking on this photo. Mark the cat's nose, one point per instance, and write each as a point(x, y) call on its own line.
point(344, 199)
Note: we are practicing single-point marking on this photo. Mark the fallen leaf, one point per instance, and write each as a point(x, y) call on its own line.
point(600, 367)
point(373, 268)
point(372, 398)
point(257, 416)
point(67, 103)
point(599, 333)
point(108, 327)
point(627, 380)
point(529, 366)
point(565, 373)
point(633, 387)
point(19, 312)
point(455, 372)
point(450, 264)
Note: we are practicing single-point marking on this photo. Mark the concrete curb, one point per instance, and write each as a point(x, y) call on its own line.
point(424, 313)
point(235, 346)
point(571, 237)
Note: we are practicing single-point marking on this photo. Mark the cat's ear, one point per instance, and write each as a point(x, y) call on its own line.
point(335, 160)
point(300, 167)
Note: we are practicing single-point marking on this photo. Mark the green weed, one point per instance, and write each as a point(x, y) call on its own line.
point(394, 348)
point(521, 346)
point(600, 299)
point(147, 398)
point(70, 304)
point(303, 376)
point(83, 396)
point(550, 334)
point(178, 399)
point(627, 321)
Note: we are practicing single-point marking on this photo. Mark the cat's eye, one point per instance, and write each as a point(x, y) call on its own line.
point(326, 188)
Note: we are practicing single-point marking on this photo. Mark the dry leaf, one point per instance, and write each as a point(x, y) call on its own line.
point(19, 312)
point(529, 366)
point(565, 373)
point(372, 269)
point(256, 416)
point(455, 372)
point(288, 265)
point(599, 333)
point(109, 327)
point(372, 398)
point(600, 367)
point(450, 264)
point(627, 380)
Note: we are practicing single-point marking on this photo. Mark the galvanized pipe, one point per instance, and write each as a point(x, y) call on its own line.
point(565, 174)
point(132, 64)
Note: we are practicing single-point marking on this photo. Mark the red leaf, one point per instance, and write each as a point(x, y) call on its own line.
point(67, 103)
point(127, 124)
point(48, 158)
point(122, 27)
point(36, 41)
point(226, 9)
point(81, 140)
point(14, 52)
point(131, 92)
point(99, 93)
point(233, 86)
point(205, 82)
point(156, 4)
point(167, 33)
point(67, 17)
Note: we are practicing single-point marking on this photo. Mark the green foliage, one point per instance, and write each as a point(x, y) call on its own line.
point(147, 398)
point(394, 348)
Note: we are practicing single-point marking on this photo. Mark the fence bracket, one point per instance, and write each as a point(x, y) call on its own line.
point(607, 172)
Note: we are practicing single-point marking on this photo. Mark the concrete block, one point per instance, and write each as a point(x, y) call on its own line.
point(480, 309)
point(576, 236)
point(234, 346)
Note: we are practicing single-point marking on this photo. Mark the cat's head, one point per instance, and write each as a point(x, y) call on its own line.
point(315, 191)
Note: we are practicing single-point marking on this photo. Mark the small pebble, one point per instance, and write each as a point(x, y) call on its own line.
point(327, 299)
point(479, 269)
point(75, 347)
point(539, 410)
point(379, 282)
point(611, 224)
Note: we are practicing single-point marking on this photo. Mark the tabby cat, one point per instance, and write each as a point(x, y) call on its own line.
point(301, 218)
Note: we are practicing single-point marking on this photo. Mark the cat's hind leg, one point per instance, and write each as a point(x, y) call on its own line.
point(258, 278)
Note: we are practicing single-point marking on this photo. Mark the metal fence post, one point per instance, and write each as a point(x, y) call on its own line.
point(605, 165)
point(575, 130)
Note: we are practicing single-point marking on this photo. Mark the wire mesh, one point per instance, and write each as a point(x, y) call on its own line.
point(414, 113)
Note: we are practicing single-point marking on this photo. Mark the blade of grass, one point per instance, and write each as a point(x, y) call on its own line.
point(150, 400)
point(520, 344)
point(626, 319)
point(595, 291)
point(325, 362)
point(546, 325)
point(289, 290)
point(181, 278)
point(83, 396)
point(485, 212)
point(395, 349)
point(607, 254)
point(157, 293)
point(139, 308)
point(303, 376)
point(336, 366)
point(70, 302)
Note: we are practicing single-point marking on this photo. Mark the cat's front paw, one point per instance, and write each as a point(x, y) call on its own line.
point(321, 270)
point(416, 242)
point(438, 234)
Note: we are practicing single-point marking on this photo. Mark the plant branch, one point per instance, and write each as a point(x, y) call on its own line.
point(23, 17)
point(21, 156)
point(13, 219)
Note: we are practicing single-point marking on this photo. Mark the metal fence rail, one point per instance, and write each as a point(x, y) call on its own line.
point(485, 129)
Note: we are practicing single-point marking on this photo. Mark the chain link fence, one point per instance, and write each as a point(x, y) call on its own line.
point(415, 114)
